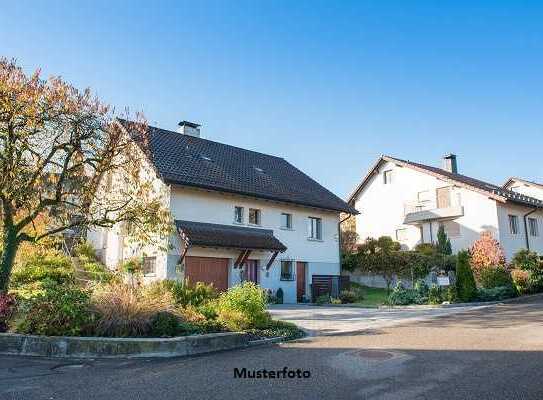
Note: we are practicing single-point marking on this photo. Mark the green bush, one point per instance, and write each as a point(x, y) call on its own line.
point(521, 280)
point(98, 272)
point(435, 295)
point(133, 266)
point(85, 250)
point(59, 311)
point(465, 282)
point(427, 249)
point(421, 287)
point(276, 328)
point(400, 296)
point(185, 294)
point(494, 276)
point(243, 306)
point(451, 295)
point(526, 260)
point(496, 293)
point(335, 300)
point(165, 324)
point(322, 299)
point(53, 268)
point(209, 310)
point(350, 296)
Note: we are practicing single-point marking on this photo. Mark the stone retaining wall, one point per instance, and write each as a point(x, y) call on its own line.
point(98, 347)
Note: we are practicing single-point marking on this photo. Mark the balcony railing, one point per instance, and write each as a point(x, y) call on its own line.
point(433, 214)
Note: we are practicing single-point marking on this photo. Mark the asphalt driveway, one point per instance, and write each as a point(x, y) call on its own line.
point(334, 320)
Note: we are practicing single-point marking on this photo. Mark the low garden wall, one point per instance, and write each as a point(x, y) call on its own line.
point(99, 347)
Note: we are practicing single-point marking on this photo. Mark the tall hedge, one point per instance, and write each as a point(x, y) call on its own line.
point(465, 282)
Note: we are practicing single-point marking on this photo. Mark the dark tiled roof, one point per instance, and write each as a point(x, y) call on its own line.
point(191, 161)
point(494, 191)
point(237, 237)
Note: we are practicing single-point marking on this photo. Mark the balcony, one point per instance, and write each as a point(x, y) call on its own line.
point(422, 215)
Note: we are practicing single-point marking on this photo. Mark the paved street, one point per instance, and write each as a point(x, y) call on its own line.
point(334, 320)
point(484, 353)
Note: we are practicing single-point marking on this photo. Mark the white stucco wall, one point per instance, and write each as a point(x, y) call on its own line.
point(511, 243)
point(322, 257)
point(382, 208)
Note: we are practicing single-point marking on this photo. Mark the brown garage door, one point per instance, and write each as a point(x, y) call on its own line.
point(208, 270)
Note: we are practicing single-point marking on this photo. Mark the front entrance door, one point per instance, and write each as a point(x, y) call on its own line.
point(208, 270)
point(250, 273)
point(300, 279)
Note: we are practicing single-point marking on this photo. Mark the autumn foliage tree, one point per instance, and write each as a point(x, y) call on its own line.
point(65, 159)
point(486, 252)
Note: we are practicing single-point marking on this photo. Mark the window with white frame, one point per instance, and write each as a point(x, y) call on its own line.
point(149, 265)
point(534, 228)
point(387, 177)
point(238, 215)
point(314, 228)
point(402, 234)
point(287, 270)
point(254, 216)
point(286, 221)
point(513, 224)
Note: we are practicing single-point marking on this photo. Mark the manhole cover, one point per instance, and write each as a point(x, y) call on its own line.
point(377, 355)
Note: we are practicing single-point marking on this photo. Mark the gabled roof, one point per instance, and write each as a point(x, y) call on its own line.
point(524, 181)
point(495, 192)
point(192, 161)
point(228, 236)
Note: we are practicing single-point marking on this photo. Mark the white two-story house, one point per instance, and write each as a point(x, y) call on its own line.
point(239, 215)
point(408, 201)
point(529, 188)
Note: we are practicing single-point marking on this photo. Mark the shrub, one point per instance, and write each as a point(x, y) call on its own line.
point(7, 307)
point(526, 260)
point(124, 312)
point(443, 242)
point(496, 293)
point(451, 295)
point(465, 282)
point(133, 266)
point(350, 296)
point(322, 299)
point(435, 295)
point(97, 272)
point(276, 328)
point(494, 276)
point(185, 293)
point(486, 252)
point(51, 267)
point(243, 306)
point(335, 300)
point(426, 249)
point(401, 296)
point(520, 280)
point(421, 287)
point(58, 311)
point(165, 324)
point(85, 250)
point(209, 310)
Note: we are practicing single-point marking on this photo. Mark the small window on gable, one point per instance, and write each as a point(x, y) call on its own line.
point(254, 216)
point(149, 265)
point(286, 221)
point(513, 224)
point(238, 215)
point(534, 228)
point(387, 177)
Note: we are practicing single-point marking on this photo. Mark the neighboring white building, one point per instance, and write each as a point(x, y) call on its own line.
point(519, 185)
point(239, 215)
point(408, 201)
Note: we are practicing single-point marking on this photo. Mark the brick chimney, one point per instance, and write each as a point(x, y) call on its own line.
point(189, 128)
point(449, 163)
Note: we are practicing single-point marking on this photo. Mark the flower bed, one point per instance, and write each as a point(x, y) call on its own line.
point(51, 297)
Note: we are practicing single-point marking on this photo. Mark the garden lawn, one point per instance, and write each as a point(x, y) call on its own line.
point(373, 297)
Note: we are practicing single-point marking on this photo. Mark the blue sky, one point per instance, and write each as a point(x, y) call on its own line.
point(328, 85)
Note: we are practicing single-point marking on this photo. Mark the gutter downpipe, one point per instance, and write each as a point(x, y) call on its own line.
point(526, 228)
